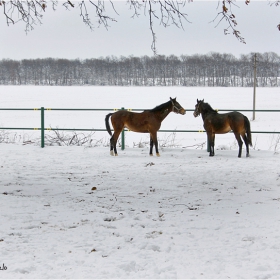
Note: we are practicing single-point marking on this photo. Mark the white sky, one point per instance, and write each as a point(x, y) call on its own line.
point(64, 35)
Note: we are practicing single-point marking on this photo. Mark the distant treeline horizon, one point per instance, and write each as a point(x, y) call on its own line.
point(210, 70)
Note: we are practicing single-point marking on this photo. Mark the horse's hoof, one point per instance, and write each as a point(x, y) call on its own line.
point(151, 155)
point(111, 153)
point(211, 155)
point(158, 155)
point(116, 155)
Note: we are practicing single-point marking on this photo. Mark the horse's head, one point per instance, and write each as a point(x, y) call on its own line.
point(197, 110)
point(176, 107)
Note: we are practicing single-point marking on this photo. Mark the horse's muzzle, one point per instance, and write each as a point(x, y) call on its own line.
point(196, 114)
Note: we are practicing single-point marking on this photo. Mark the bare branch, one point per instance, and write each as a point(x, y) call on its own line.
point(151, 14)
point(166, 12)
point(71, 4)
point(30, 12)
point(8, 19)
point(100, 11)
point(171, 12)
point(84, 14)
point(275, 3)
point(227, 15)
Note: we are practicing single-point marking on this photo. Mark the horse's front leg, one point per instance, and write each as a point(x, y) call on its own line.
point(155, 142)
point(211, 143)
point(156, 145)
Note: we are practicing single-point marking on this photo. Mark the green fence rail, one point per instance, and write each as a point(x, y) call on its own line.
point(43, 129)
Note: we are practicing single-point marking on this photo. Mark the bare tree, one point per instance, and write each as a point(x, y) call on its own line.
point(167, 12)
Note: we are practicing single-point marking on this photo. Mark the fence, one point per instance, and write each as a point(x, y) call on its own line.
point(42, 128)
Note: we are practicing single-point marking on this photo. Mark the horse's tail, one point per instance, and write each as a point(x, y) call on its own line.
point(107, 123)
point(248, 130)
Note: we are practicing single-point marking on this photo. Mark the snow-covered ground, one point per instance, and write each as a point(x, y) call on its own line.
point(77, 212)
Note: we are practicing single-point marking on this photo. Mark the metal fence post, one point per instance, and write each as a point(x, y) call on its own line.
point(123, 136)
point(254, 91)
point(42, 127)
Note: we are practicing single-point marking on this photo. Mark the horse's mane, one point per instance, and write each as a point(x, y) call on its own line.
point(207, 108)
point(160, 107)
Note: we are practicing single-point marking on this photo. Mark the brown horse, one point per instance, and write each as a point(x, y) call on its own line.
point(215, 123)
point(149, 121)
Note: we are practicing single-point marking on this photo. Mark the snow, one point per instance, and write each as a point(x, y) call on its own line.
point(77, 212)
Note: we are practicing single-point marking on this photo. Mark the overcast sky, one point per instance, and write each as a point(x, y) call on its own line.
point(64, 35)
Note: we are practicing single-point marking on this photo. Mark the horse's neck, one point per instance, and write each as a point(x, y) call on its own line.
point(162, 114)
point(165, 113)
point(203, 116)
point(206, 111)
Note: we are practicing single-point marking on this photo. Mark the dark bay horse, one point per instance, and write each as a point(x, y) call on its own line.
point(149, 121)
point(215, 123)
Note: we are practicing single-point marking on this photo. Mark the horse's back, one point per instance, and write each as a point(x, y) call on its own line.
point(137, 122)
point(223, 123)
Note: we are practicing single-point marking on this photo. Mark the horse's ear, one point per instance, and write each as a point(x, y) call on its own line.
point(197, 100)
point(203, 100)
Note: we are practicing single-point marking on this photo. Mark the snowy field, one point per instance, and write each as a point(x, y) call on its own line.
point(135, 98)
point(77, 212)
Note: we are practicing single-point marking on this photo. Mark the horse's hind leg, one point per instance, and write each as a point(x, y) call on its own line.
point(113, 150)
point(240, 143)
point(151, 145)
point(246, 144)
point(113, 144)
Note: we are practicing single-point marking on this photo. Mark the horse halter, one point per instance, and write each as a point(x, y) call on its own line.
point(175, 107)
point(196, 112)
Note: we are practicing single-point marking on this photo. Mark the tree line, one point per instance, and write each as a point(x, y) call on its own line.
point(213, 69)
